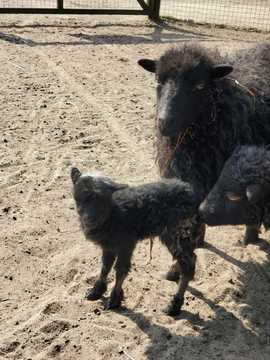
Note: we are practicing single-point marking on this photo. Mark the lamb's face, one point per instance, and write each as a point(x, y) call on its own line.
point(92, 197)
point(184, 82)
point(239, 195)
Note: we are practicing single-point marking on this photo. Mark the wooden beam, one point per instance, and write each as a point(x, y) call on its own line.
point(73, 11)
point(154, 6)
point(60, 4)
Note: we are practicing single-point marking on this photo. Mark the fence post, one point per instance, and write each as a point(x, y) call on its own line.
point(60, 4)
point(154, 6)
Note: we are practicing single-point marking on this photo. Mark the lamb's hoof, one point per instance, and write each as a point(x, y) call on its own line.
point(200, 243)
point(115, 299)
point(174, 308)
point(251, 236)
point(174, 273)
point(97, 291)
point(250, 240)
point(172, 276)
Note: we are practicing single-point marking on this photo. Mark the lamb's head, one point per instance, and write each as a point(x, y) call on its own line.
point(241, 191)
point(93, 197)
point(185, 78)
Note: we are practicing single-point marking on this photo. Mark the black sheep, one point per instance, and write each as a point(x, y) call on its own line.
point(117, 216)
point(242, 192)
point(202, 115)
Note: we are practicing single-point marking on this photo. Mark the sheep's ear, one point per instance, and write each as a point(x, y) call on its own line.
point(148, 65)
point(221, 70)
point(75, 175)
point(257, 193)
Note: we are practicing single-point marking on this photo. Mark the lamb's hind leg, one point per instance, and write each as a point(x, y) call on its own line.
point(187, 263)
point(122, 268)
point(251, 235)
point(180, 243)
point(100, 285)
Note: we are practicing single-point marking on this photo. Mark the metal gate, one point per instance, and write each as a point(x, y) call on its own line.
point(147, 7)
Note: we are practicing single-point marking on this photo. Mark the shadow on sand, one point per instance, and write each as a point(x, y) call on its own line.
point(221, 332)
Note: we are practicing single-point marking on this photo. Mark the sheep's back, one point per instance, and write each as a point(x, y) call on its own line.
point(252, 67)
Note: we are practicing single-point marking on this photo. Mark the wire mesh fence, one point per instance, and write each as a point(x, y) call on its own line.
point(248, 14)
point(102, 4)
point(38, 4)
point(71, 4)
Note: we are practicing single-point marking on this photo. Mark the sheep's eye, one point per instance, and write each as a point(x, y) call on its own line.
point(161, 79)
point(233, 197)
point(199, 86)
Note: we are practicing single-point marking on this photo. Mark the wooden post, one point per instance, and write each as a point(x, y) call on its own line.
point(60, 4)
point(154, 6)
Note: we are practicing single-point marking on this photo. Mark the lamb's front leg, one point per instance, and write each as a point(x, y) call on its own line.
point(122, 268)
point(100, 285)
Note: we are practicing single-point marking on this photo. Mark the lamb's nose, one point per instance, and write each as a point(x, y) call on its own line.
point(202, 209)
point(162, 126)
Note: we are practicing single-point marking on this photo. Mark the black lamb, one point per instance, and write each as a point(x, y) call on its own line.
point(116, 216)
point(242, 192)
point(202, 115)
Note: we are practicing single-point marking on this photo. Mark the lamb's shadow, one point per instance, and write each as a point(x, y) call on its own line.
point(244, 317)
point(164, 342)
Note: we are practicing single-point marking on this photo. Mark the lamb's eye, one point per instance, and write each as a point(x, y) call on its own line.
point(233, 197)
point(200, 86)
point(159, 86)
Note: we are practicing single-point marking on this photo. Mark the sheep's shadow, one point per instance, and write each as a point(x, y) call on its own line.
point(223, 255)
point(261, 243)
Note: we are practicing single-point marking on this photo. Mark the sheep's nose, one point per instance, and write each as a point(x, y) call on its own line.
point(163, 128)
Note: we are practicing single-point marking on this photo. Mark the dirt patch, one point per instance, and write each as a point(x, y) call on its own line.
point(72, 94)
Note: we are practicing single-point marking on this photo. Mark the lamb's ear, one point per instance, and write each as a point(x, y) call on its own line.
point(221, 70)
point(148, 65)
point(257, 193)
point(75, 175)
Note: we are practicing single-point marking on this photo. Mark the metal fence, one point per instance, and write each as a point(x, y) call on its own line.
point(247, 14)
point(128, 7)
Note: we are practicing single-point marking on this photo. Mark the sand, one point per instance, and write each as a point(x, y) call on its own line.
point(72, 94)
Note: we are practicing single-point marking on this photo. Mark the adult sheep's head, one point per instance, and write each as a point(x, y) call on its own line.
point(185, 78)
point(243, 188)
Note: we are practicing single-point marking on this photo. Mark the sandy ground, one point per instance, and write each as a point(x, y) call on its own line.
point(72, 94)
point(243, 14)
